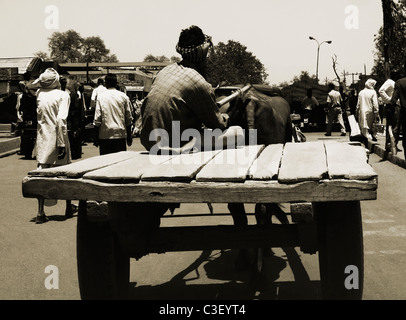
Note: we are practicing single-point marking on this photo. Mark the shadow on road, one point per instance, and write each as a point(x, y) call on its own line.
point(239, 285)
point(55, 217)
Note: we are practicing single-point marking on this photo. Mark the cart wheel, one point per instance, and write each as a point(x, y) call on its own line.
point(340, 243)
point(103, 269)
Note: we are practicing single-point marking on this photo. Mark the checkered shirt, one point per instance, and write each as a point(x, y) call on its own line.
point(179, 93)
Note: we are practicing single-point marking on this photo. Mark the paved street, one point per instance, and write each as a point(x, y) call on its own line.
point(27, 249)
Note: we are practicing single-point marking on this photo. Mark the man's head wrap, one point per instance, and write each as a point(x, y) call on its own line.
point(193, 44)
point(370, 83)
point(49, 79)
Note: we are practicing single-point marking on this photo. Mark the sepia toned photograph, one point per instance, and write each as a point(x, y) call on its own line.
point(198, 157)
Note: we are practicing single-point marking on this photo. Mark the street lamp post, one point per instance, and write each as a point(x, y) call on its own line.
point(318, 51)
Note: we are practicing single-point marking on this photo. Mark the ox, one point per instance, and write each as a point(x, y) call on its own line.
point(264, 109)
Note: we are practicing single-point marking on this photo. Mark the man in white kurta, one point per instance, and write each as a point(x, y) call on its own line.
point(52, 143)
point(52, 133)
point(367, 110)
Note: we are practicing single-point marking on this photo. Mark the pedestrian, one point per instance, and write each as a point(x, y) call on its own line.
point(352, 101)
point(334, 110)
point(74, 117)
point(113, 118)
point(20, 120)
point(52, 143)
point(367, 110)
point(82, 107)
point(181, 99)
point(391, 114)
point(399, 93)
point(309, 104)
point(344, 107)
point(28, 109)
point(95, 93)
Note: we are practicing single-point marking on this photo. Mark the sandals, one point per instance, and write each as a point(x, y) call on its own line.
point(41, 219)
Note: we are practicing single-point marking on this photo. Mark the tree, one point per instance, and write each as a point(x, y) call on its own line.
point(69, 46)
point(335, 63)
point(233, 64)
point(65, 46)
point(305, 77)
point(152, 58)
point(175, 59)
point(94, 49)
point(42, 55)
point(390, 42)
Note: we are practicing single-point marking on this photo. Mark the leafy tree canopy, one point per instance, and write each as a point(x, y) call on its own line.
point(152, 58)
point(390, 41)
point(69, 46)
point(232, 63)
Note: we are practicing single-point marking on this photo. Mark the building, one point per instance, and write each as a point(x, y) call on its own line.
point(129, 74)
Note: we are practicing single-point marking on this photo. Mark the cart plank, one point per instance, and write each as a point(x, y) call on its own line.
point(78, 169)
point(233, 165)
point(303, 162)
point(183, 167)
point(128, 170)
point(347, 161)
point(250, 191)
point(266, 166)
point(230, 165)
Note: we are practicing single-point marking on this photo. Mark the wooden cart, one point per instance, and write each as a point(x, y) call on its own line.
point(332, 177)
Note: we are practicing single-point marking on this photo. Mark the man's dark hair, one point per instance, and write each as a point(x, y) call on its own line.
point(395, 75)
point(190, 37)
point(63, 81)
point(331, 86)
point(27, 76)
point(111, 80)
point(100, 81)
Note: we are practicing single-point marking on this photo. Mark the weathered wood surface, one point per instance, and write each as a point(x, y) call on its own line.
point(347, 161)
point(128, 170)
point(266, 166)
point(199, 192)
point(303, 162)
point(230, 165)
point(183, 167)
point(78, 169)
point(302, 172)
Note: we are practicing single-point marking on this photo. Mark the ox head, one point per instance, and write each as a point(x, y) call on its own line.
point(235, 107)
point(264, 110)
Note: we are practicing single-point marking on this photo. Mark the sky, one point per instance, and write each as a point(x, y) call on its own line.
point(276, 32)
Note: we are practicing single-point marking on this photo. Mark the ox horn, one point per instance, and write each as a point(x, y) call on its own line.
point(233, 95)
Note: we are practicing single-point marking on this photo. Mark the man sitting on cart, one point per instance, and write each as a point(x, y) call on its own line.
point(180, 99)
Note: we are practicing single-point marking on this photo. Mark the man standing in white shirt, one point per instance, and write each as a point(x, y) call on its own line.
point(113, 119)
point(391, 112)
point(334, 110)
point(100, 88)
